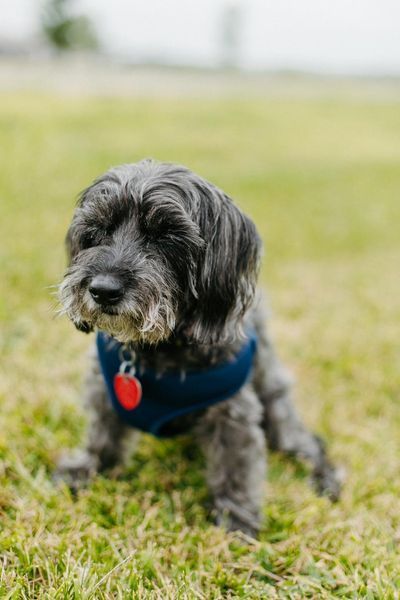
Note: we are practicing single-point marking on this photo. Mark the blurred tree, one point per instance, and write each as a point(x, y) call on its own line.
point(231, 26)
point(66, 30)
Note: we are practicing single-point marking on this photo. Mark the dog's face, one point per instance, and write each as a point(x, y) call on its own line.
point(156, 251)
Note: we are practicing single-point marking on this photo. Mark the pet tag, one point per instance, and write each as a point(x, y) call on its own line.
point(128, 389)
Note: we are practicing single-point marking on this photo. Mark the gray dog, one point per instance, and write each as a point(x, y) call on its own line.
point(164, 266)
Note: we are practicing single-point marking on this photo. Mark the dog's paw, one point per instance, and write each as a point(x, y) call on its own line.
point(245, 523)
point(76, 469)
point(235, 524)
point(328, 481)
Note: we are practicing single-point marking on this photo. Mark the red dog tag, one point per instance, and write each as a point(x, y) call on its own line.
point(128, 390)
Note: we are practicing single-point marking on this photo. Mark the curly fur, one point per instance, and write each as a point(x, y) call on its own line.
point(187, 259)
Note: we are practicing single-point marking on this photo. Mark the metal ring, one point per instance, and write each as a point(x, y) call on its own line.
point(124, 365)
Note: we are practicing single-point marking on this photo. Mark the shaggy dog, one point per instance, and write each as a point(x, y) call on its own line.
point(164, 265)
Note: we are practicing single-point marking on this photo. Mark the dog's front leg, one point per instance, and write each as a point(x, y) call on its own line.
point(233, 441)
point(106, 434)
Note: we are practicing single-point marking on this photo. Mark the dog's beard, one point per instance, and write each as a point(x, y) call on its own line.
point(150, 328)
point(130, 321)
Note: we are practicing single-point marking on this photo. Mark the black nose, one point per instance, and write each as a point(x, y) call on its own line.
point(106, 289)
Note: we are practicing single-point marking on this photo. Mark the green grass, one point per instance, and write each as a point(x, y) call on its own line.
point(321, 179)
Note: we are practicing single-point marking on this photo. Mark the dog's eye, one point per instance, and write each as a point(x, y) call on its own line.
point(88, 240)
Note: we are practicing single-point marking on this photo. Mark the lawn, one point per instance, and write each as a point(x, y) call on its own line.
point(321, 178)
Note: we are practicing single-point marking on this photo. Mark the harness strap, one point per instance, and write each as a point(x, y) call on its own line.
point(169, 396)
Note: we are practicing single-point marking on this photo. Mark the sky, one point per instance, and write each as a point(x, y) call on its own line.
point(332, 36)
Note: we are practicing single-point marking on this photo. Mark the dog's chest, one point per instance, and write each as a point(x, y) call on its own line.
point(169, 394)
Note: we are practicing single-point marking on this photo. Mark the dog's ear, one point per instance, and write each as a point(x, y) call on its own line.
point(73, 248)
point(71, 245)
point(227, 269)
point(78, 235)
point(76, 230)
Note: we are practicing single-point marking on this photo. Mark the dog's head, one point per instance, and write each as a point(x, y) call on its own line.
point(156, 251)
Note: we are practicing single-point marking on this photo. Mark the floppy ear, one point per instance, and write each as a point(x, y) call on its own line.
point(79, 236)
point(227, 270)
point(75, 231)
point(70, 244)
point(72, 249)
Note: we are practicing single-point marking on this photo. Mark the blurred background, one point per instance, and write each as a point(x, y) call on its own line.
point(357, 38)
point(293, 108)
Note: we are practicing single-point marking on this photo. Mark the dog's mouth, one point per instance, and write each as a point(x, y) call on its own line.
point(126, 327)
point(109, 310)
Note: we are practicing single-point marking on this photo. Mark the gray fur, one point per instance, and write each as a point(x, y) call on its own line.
point(188, 259)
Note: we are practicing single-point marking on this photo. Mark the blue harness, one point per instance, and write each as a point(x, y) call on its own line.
point(168, 396)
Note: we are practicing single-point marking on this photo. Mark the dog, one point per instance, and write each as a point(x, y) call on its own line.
point(163, 265)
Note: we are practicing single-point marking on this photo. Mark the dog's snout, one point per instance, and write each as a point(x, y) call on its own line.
point(106, 289)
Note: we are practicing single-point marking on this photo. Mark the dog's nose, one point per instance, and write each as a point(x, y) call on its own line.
point(106, 289)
